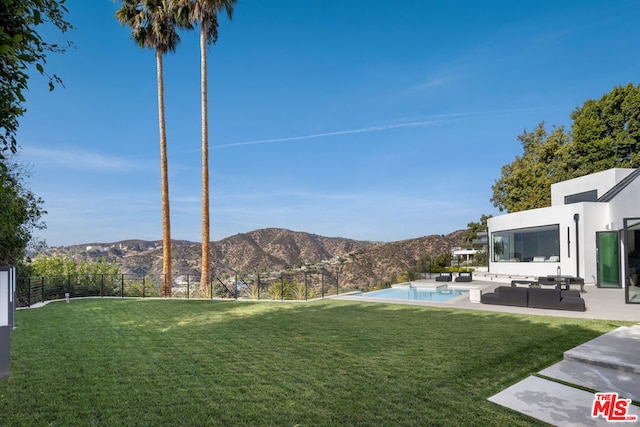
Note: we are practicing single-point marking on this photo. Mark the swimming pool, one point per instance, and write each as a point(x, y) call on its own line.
point(441, 294)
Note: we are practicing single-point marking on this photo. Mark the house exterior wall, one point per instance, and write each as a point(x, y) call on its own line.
point(594, 217)
point(625, 205)
point(600, 181)
point(573, 255)
point(577, 257)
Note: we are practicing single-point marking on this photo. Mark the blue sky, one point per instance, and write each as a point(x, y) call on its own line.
point(365, 119)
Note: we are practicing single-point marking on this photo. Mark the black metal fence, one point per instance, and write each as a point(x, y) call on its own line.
point(301, 285)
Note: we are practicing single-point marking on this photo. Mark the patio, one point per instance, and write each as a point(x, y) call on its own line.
point(602, 303)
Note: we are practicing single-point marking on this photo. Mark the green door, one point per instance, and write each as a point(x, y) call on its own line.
point(608, 260)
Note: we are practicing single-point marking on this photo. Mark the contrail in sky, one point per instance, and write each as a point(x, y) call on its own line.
point(340, 132)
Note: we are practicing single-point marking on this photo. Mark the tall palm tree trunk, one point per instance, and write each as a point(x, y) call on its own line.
point(205, 276)
point(164, 174)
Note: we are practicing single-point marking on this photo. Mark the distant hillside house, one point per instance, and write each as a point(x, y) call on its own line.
point(462, 256)
point(591, 230)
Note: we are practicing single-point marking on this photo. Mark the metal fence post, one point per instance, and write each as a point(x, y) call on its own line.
point(29, 292)
point(322, 284)
point(122, 285)
point(42, 291)
point(337, 283)
point(144, 286)
point(306, 287)
point(188, 288)
point(102, 285)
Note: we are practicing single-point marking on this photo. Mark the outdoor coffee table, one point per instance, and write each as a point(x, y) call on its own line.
point(565, 282)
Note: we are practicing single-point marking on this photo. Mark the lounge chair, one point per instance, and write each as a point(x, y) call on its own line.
point(464, 276)
point(444, 277)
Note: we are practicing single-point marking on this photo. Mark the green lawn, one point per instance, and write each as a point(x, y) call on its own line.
point(117, 362)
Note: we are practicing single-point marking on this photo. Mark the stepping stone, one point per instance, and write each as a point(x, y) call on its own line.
point(617, 349)
point(553, 403)
point(595, 377)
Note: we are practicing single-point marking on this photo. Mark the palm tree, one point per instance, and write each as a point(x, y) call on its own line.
point(205, 12)
point(153, 25)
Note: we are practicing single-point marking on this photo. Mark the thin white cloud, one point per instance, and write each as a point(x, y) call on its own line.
point(336, 133)
point(286, 194)
point(78, 159)
point(432, 83)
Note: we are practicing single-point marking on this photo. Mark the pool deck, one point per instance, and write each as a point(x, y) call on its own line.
point(606, 304)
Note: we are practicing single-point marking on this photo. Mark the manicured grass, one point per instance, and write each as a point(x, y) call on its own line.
point(117, 362)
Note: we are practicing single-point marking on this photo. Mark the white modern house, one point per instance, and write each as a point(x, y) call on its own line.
point(591, 231)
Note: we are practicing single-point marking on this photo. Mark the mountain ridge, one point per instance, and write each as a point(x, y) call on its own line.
point(362, 262)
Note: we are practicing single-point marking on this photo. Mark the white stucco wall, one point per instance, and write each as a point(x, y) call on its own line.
point(626, 204)
point(600, 181)
point(592, 217)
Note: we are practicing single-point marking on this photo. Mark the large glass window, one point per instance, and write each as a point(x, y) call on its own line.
point(587, 196)
point(534, 244)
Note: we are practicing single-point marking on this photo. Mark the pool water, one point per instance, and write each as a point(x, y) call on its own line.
point(415, 294)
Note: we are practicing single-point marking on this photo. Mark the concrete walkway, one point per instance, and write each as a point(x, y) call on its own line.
point(609, 363)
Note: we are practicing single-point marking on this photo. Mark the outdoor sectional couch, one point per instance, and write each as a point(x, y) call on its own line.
point(535, 297)
point(444, 277)
point(464, 276)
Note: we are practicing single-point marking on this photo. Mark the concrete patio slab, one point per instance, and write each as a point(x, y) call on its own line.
point(609, 363)
point(618, 349)
point(553, 403)
point(595, 378)
point(602, 303)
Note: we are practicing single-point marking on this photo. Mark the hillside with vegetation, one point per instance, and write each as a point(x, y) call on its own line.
point(358, 262)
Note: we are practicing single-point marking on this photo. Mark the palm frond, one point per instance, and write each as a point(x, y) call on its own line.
point(153, 23)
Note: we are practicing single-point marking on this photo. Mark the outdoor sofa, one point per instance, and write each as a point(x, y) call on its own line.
point(507, 295)
point(444, 277)
point(464, 276)
point(535, 297)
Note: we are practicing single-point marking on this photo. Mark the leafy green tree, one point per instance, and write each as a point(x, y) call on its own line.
point(148, 287)
point(526, 183)
point(22, 47)
point(443, 260)
point(53, 266)
point(79, 277)
point(606, 132)
point(425, 263)
point(473, 228)
point(64, 265)
point(154, 25)
point(20, 213)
